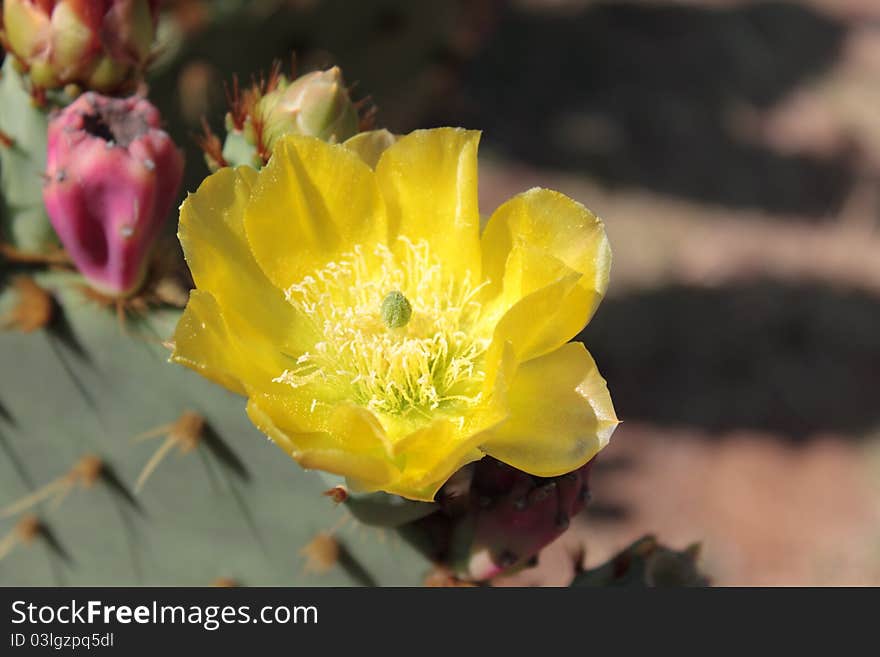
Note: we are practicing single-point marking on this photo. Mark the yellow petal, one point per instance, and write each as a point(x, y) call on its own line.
point(202, 342)
point(370, 145)
point(429, 181)
point(430, 456)
point(549, 307)
point(560, 414)
point(294, 409)
point(313, 202)
point(211, 222)
point(543, 240)
point(360, 430)
point(211, 231)
point(319, 450)
point(314, 409)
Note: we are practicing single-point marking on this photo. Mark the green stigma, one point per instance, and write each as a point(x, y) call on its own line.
point(396, 310)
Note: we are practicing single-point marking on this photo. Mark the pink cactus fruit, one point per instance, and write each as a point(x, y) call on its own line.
point(494, 518)
point(112, 176)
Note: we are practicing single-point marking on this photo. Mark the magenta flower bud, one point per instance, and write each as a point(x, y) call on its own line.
point(112, 177)
point(525, 515)
point(495, 519)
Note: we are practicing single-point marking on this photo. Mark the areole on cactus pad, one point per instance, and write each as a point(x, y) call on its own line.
point(112, 176)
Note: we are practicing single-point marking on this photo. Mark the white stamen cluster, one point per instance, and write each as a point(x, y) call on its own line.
point(432, 362)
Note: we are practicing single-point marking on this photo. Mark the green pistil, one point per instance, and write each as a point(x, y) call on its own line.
point(396, 310)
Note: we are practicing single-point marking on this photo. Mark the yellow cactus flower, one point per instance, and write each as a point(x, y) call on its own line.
point(348, 292)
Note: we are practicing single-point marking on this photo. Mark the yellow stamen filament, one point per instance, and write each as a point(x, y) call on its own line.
point(185, 433)
point(431, 361)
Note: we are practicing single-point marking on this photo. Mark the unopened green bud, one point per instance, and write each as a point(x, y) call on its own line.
point(316, 104)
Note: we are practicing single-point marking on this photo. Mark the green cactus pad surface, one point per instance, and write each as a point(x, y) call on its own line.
point(23, 220)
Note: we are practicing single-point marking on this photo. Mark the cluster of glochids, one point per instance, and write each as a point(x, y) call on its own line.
point(317, 104)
